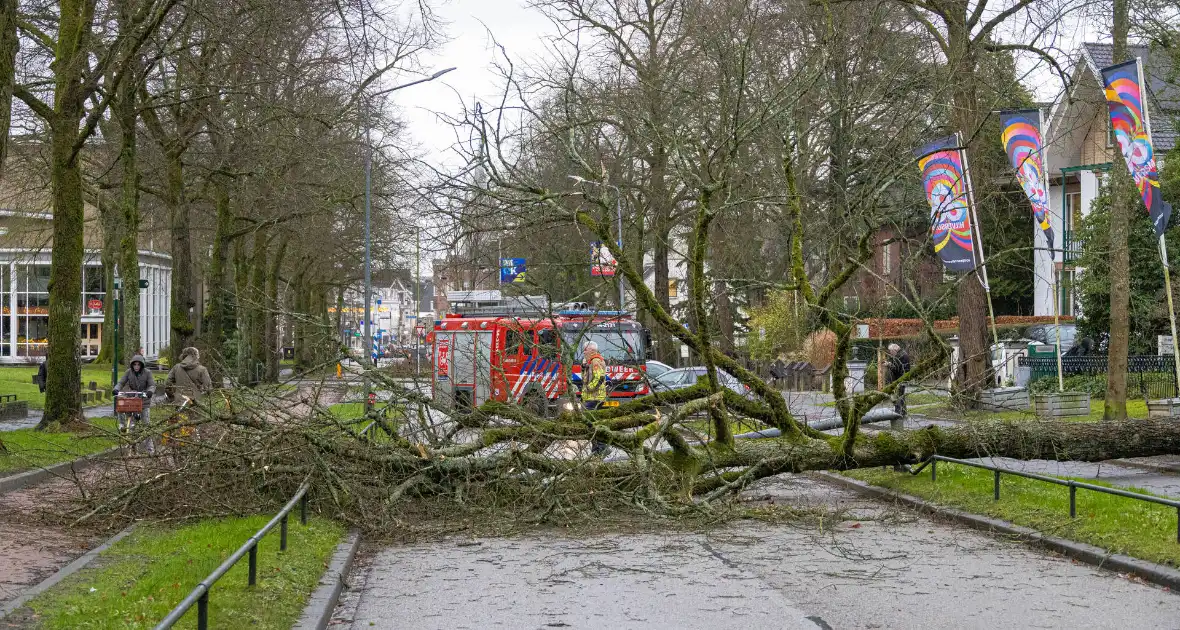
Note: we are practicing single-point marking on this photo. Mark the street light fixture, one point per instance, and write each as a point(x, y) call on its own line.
point(619, 218)
point(368, 222)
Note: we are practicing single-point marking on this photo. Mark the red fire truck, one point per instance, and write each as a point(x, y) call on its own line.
point(511, 352)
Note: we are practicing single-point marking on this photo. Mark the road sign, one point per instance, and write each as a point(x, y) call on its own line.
point(512, 270)
point(143, 283)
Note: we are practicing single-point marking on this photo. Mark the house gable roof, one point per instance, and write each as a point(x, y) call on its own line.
point(1163, 93)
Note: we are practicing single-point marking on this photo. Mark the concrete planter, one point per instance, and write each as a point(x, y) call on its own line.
point(1168, 408)
point(1062, 405)
point(1004, 399)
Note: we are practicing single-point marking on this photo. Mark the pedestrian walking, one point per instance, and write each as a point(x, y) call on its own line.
point(43, 372)
point(899, 364)
point(188, 378)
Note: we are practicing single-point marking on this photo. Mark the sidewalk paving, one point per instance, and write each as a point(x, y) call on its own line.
point(1155, 482)
point(100, 411)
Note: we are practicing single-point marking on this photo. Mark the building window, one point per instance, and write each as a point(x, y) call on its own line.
point(851, 303)
point(93, 289)
point(91, 339)
point(1065, 297)
point(1073, 210)
point(887, 259)
point(32, 310)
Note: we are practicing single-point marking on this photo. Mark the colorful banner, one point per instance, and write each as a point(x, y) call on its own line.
point(1127, 101)
point(512, 270)
point(1021, 134)
point(941, 164)
point(602, 262)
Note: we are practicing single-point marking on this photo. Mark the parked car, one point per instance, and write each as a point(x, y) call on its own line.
point(681, 378)
point(1045, 334)
point(655, 369)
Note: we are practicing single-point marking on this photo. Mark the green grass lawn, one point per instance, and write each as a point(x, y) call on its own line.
point(348, 410)
point(1135, 409)
point(138, 581)
point(1120, 525)
point(18, 379)
point(30, 448)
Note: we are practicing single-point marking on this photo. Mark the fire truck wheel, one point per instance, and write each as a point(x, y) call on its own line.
point(534, 402)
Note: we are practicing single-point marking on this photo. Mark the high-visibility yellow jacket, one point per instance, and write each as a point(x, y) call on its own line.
point(594, 378)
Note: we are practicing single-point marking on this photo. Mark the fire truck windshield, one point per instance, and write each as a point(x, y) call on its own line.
point(616, 345)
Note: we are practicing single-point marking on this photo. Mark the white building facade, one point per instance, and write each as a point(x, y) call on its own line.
point(1081, 153)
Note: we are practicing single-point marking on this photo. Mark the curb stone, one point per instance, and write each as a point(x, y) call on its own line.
point(28, 478)
point(317, 614)
point(1157, 574)
point(1161, 468)
point(63, 573)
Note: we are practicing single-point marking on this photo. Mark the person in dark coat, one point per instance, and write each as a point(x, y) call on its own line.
point(899, 364)
point(42, 373)
point(139, 379)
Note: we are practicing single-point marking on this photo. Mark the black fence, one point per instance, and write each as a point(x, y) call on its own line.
point(1149, 377)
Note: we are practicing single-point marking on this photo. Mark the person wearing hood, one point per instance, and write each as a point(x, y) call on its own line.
point(188, 378)
point(138, 379)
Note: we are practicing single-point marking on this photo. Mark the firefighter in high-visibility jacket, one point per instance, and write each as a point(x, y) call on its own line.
point(593, 376)
point(593, 384)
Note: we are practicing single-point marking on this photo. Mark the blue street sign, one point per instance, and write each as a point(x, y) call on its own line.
point(512, 270)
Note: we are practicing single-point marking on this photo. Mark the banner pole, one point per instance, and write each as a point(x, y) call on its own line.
point(1052, 255)
point(1163, 246)
point(977, 229)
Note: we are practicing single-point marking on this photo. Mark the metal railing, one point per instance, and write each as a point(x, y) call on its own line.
point(1071, 246)
point(1073, 486)
point(1149, 377)
point(200, 594)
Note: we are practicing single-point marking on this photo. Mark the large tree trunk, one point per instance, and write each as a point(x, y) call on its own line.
point(183, 302)
point(256, 305)
point(125, 110)
point(220, 295)
point(1077, 441)
point(112, 228)
point(1115, 406)
point(974, 368)
point(273, 313)
point(63, 382)
point(9, 45)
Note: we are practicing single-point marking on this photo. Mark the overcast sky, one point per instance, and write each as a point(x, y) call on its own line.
point(470, 26)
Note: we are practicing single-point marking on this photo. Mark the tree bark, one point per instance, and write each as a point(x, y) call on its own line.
point(1115, 405)
point(274, 312)
point(125, 110)
point(183, 302)
point(973, 372)
point(9, 45)
point(220, 293)
point(63, 382)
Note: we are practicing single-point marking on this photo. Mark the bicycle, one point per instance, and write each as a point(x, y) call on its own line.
point(129, 417)
point(179, 431)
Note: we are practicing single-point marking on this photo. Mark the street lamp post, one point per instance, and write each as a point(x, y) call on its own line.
point(118, 290)
point(368, 221)
point(619, 224)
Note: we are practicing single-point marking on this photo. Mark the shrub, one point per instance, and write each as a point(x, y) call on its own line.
point(1092, 384)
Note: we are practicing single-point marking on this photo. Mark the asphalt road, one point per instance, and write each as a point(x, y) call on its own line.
point(877, 567)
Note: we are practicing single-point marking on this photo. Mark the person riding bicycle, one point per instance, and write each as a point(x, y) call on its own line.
point(188, 379)
point(138, 379)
